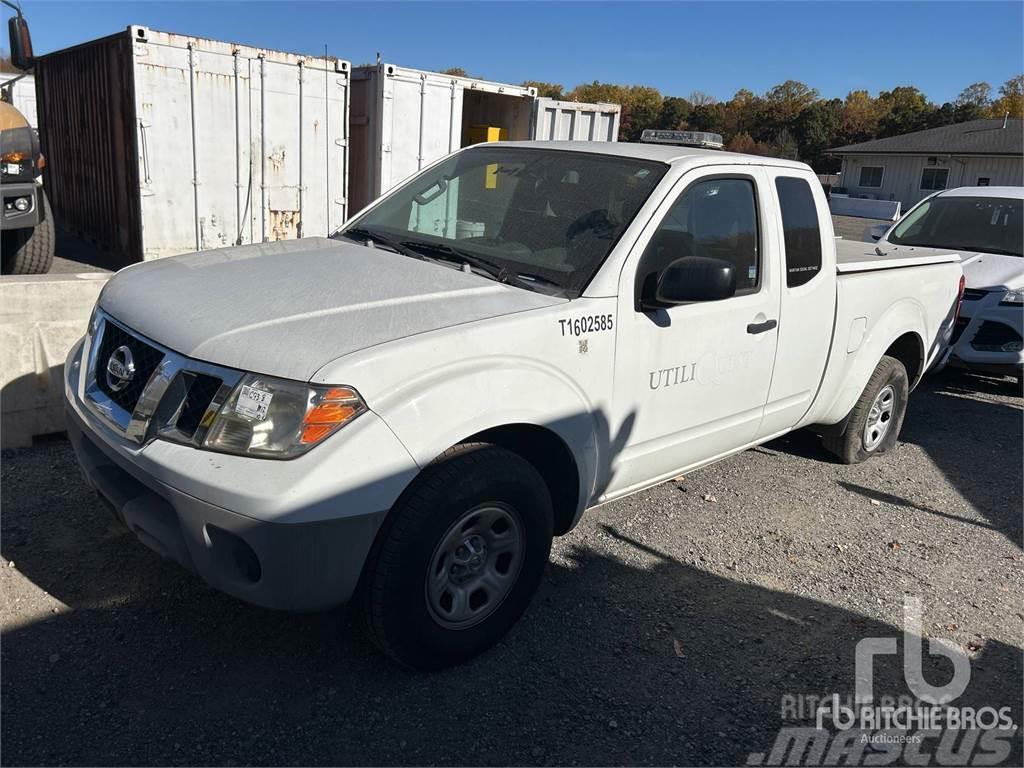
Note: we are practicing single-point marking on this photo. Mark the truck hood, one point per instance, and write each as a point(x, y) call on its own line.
point(288, 308)
point(992, 270)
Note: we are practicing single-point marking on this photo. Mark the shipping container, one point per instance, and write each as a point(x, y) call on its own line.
point(575, 121)
point(404, 119)
point(22, 94)
point(159, 143)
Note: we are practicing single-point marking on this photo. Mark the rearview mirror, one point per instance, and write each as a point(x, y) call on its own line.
point(20, 42)
point(696, 278)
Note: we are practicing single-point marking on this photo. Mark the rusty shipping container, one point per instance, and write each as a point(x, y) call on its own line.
point(159, 144)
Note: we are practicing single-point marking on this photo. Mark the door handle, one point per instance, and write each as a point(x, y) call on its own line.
point(767, 325)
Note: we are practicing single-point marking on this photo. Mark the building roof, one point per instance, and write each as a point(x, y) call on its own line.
point(975, 137)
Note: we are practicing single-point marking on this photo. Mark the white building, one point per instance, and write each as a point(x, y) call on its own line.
point(912, 166)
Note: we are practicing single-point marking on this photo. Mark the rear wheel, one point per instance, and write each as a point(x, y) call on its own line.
point(876, 419)
point(30, 251)
point(459, 557)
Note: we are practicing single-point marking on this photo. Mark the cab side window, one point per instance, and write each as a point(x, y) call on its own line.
point(800, 229)
point(716, 218)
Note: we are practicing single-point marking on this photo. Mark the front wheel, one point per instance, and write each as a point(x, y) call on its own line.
point(876, 419)
point(458, 558)
point(30, 251)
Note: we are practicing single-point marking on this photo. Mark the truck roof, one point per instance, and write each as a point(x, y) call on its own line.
point(664, 153)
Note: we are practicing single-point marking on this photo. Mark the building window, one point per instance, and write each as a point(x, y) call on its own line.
point(933, 179)
point(871, 176)
point(983, 181)
point(800, 229)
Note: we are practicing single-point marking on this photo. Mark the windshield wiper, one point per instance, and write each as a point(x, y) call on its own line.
point(448, 253)
point(372, 237)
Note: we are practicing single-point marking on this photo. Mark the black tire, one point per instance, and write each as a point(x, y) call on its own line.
point(30, 251)
point(393, 592)
point(851, 446)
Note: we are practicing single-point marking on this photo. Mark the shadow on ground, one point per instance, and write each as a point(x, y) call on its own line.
point(655, 662)
point(942, 418)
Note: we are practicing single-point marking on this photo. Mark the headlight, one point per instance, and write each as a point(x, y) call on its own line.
point(279, 419)
point(1016, 296)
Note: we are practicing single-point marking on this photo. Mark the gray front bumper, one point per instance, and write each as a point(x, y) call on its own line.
point(16, 219)
point(291, 566)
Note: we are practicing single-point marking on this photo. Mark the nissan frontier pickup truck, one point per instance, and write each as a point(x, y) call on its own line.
point(405, 413)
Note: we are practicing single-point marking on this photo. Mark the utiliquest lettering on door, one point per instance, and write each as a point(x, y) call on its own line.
point(668, 377)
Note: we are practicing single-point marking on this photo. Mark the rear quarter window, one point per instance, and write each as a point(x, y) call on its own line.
point(802, 235)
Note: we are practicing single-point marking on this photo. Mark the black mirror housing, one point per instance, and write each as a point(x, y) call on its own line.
point(21, 43)
point(696, 278)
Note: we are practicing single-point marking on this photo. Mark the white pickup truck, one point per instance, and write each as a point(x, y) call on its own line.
point(407, 412)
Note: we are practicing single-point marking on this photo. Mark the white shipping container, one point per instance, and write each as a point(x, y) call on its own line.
point(217, 144)
point(404, 119)
point(23, 94)
point(556, 120)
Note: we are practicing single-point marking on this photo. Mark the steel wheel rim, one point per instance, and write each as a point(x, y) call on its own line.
point(474, 566)
point(879, 418)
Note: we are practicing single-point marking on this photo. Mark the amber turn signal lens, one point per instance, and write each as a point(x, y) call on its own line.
point(337, 406)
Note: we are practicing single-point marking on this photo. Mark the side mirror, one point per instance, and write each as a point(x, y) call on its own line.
point(696, 278)
point(21, 43)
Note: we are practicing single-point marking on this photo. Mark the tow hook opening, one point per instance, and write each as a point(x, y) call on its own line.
point(235, 559)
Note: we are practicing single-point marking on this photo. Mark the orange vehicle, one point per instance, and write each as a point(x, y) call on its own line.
point(26, 223)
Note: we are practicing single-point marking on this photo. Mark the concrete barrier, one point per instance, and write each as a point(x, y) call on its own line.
point(41, 316)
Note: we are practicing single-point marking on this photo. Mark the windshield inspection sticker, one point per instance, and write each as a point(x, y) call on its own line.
point(253, 402)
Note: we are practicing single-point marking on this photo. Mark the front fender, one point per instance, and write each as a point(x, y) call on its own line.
point(441, 407)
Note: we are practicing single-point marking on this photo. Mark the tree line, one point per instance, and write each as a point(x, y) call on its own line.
point(791, 120)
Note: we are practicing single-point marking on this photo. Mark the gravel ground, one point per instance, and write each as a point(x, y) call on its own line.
point(670, 627)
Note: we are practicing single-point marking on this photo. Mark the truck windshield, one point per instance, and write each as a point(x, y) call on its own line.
point(538, 218)
point(986, 224)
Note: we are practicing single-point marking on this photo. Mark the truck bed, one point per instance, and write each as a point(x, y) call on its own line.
point(852, 256)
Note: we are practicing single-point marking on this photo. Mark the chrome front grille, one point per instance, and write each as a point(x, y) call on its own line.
point(145, 360)
point(164, 394)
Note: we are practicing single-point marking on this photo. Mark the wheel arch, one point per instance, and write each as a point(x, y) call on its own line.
point(553, 460)
point(909, 350)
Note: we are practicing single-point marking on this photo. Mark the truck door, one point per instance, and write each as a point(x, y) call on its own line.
point(691, 380)
point(808, 303)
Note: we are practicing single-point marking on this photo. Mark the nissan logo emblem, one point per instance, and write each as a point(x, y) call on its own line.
point(120, 369)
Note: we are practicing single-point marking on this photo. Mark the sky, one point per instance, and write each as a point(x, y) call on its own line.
point(677, 47)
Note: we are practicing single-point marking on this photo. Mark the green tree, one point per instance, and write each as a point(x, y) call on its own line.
point(816, 130)
point(787, 100)
point(741, 114)
point(546, 90)
point(707, 117)
point(674, 113)
point(905, 110)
